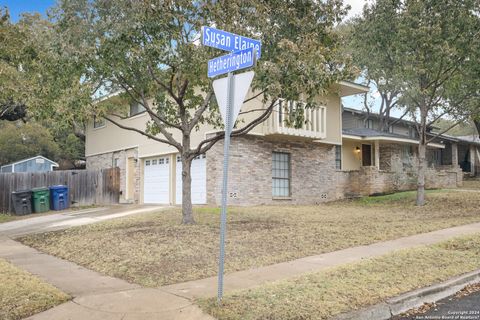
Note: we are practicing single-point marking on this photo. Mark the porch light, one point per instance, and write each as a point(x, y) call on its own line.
point(357, 149)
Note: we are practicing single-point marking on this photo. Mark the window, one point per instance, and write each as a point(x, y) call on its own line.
point(338, 157)
point(147, 163)
point(161, 161)
point(412, 132)
point(154, 162)
point(98, 122)
point(407, 155)
point(136, 108)
point(280, 174)
point(369, 124)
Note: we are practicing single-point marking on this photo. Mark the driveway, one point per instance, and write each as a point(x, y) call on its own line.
point(71, 218)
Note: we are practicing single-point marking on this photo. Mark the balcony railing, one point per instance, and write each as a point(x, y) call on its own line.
point(282, 121)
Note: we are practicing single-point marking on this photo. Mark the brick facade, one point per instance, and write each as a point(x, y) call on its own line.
point(314, 178)
point(250, 178)
point(398, 172)
point(106, 160)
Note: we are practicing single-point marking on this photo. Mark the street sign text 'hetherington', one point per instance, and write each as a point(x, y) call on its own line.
point(231, 62)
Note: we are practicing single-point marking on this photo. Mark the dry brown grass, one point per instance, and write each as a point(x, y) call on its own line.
point(22, 294)
point(154, 249)
point(473, 184)
point(325, 294)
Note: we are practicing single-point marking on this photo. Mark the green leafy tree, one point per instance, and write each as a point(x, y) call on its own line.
point(430, 49)
point(150, 51)
point(35, 80)
point(19, 141)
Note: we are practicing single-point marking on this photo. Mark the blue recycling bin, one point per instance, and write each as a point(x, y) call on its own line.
point(59, 197)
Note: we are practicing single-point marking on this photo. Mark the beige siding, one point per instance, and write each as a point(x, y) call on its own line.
point(351, 159)
point(111, 138)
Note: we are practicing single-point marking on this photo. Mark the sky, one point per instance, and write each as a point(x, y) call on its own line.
point(17, 7)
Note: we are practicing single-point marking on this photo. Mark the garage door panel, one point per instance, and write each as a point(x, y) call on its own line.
point(156, 181)
point(199, 180)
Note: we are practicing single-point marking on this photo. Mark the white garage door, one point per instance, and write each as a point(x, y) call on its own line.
point(156, 186)
point(199, 180)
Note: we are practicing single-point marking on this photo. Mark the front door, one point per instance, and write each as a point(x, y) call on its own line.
point(366, 155)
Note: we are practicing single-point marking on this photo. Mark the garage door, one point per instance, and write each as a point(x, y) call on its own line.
point(156, 186)
point(199, 180)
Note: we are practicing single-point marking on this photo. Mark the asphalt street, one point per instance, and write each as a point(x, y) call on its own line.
point(452, 308)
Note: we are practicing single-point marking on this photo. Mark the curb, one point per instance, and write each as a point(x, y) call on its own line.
point(413, 299)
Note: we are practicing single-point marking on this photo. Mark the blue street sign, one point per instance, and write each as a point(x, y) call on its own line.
point(231, 62)
point(228, 41)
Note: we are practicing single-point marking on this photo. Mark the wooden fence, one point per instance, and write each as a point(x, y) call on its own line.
point(86, 187)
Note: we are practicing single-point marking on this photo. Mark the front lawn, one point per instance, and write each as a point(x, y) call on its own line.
point(472, 183)
point(22, 294)
point(154, 249)
point(342, 289)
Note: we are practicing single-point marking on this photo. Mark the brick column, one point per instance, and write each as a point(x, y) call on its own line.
point(377, 154)
point(454, 154)
point(472, 159)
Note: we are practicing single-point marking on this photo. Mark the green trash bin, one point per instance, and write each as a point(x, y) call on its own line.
point(41, 199)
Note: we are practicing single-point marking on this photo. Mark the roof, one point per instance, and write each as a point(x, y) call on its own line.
point(32, 158)
point(376, 115)
point(372, 134)
point(368, 133)
point(475, 139)
point(348, 88)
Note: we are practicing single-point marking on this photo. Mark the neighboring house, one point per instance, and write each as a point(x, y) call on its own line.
point(374, 161)
point(273, 164)
point(35, 164)
point(469, 154)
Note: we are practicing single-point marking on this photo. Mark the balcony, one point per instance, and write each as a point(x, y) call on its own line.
point(283, 121)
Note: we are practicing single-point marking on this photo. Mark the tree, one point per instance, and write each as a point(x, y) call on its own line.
point(35, 81)
point(19, 141)
point(431, 46)
point(374, 53)
point(150, 52)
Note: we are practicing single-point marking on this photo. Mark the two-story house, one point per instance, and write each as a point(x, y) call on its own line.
point(273, 164)
point(375, 161)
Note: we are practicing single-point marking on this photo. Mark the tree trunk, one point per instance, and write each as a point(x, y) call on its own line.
point(421, 173)
point(477, 125)
point(187, 213)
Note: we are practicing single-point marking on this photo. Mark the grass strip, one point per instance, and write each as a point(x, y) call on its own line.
point(342, 289)
point(22, 294)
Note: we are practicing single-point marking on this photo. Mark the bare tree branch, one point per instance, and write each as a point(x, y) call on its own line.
point(206, 144)
point(200, 111)
point(443, 131)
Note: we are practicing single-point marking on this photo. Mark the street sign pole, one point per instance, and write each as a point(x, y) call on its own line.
point(230, 93)
point(223, 217)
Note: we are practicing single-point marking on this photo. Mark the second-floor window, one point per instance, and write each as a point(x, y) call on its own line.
point(412, 132)
point(136, 108)
point(369, 124)
point(98, 122)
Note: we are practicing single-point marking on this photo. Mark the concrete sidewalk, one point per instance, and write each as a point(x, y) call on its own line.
point(96, 296)
point(254, 277)
point(101, 297)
